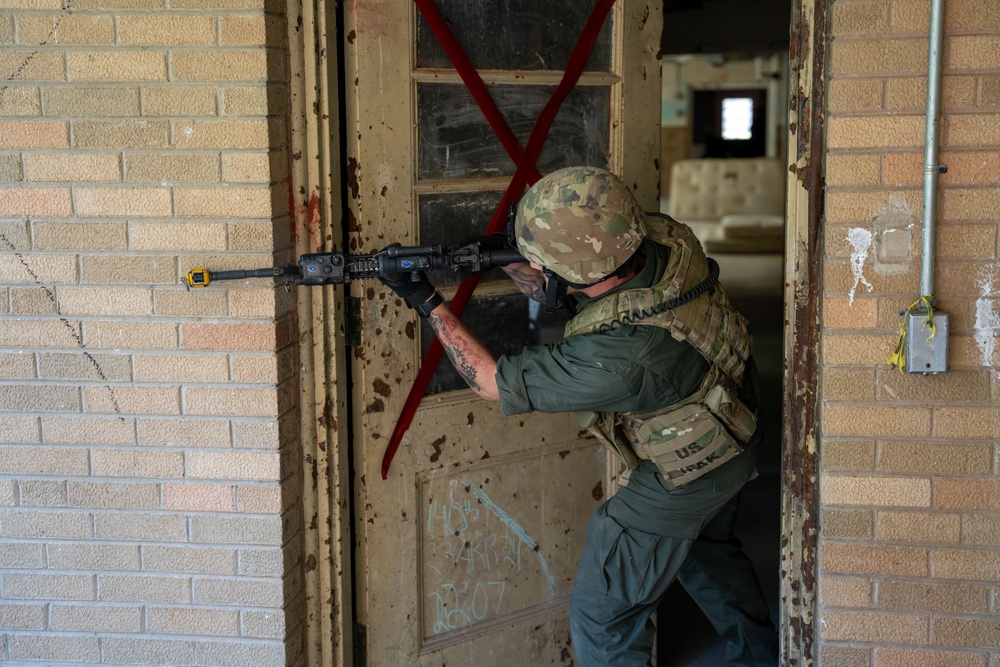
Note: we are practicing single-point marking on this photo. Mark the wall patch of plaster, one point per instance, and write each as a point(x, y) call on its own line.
point(987, 315)
point(893, 238)
point(861, 242)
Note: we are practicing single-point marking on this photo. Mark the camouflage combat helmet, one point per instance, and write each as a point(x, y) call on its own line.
point(581, 223)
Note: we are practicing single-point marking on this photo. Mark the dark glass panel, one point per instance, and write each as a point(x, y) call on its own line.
point(448, 218)
point(455, 141)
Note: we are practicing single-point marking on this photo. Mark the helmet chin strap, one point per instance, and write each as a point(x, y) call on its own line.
point(555, 291)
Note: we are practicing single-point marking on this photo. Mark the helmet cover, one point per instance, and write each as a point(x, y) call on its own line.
point(581, 223)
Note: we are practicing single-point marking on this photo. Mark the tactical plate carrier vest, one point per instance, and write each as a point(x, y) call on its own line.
point(706, 429)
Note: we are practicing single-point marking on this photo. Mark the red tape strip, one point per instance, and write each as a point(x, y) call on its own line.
point(525, 174)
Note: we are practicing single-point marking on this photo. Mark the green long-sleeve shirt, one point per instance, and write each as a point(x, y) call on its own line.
point(632, 369)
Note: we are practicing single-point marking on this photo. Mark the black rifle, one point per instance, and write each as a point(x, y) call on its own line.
point(340, 269)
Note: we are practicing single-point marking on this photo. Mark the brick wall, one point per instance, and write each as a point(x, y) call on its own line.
point(147, 434)
point(910, 493)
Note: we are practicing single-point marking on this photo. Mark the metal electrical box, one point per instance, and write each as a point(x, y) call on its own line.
point(926, 354)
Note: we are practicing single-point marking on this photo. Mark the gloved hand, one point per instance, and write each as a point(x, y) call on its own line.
point(413, 288)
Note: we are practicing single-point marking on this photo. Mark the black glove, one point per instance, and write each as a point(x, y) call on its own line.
point(413, 288)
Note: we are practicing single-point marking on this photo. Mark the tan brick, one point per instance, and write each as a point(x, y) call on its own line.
point(233, 465)
point(971, 633)
point(189, 621)
point(167, 29)
point(129, 526)
point(845, 592)
point(177, 236)
point(122, 202)
point(861, 18)
point(853, 170)
point(981, 529)
point(114, 495)
point(252, 30)
point(24, 134)
point(246, 168)
point(35, 201)
point(263, 562)
point(25, 268)
point(244, 402)
point(242, 653)
point(24, 586)
point(39, 398)
point(21, 555)
point(881, 491)
point(177, 100)
point(90, 618)
point(192, 560)
point(54, 647)
point(248, 101)
point(80, 236)
point(913, 596)
point(105, 301)
point(899, 657)
point(78, 366)
point(88, 431)
point(973, 52)
point(184, 433)
point(118, 4)
point(198, 497)
point(875, 131)
point(847, 455)
point(224, 202)
point(964, 241)
point(42, 493)
point(102, 557)
point(259, 499)
point(20, 101)
point(221, 134)
point(17, 365)
point(251, 237)
point(972, 130)
point(847, 524)
point(221, 65)
point(255, 370)
point(842, 314)
point(125, 269)
point(263, 624)
point(967, 422)
point(910, 93)
point(258, 531)
point(233, 337)
point(967, 494)
point(117, 65)
point(32, 301)
point(42, 66)
point(139, 650)
point(866, 420)
point(257, 435)
point(65, 29)
point(8, 493)
point(81, 102)
point(131, 335)
point(40, 460)
point(879, 55)
point(918, 527)
point(181, 368)
point(857, 558)
point(148, 589)
point(10, 169)
point(862, 207)
point(960, 204)
point(171, 168)
point(933, 458)
point(136, 463)
point(6, 29)
point(839, 278)
point(120, 134)
point(873, 627)
point(955, 386)
point(241, 592)
point(967, 564)
point(72, 168)
point(179, 303)
point(23, 616)
point(38, 333)
point(989, 93)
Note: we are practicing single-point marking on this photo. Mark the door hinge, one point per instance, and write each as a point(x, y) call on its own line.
point(352, 328)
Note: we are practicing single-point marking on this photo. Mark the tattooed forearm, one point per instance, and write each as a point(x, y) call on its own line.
point(530, 281)
point(469, 356)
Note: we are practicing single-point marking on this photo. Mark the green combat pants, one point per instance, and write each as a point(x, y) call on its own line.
point(646, 536)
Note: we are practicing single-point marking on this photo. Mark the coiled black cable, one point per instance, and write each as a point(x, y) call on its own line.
point(693, 293)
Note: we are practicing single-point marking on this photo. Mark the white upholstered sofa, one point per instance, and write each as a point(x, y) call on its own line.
point(732, 204)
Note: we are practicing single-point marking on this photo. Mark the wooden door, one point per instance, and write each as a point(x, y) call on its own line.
point(466, 554)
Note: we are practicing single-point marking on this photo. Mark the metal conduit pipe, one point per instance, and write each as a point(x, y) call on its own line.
point(931, 166)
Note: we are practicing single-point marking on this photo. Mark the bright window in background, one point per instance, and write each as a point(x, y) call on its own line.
point(737, 117)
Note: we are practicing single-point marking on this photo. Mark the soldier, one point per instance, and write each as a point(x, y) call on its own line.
point(657, 363)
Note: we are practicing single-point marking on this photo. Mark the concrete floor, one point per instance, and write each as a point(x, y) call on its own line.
point(754, 283)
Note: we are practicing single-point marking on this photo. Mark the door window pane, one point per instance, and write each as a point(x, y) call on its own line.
point(448, 218)
point(514, 34)
point(455, 141)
